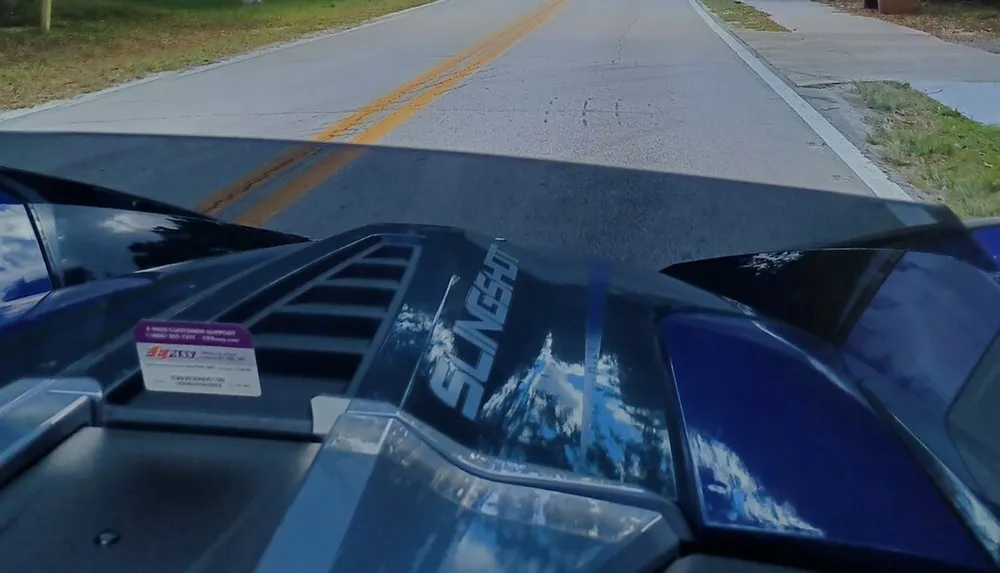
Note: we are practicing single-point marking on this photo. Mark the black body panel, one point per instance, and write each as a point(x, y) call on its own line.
point(549, 350)
point(166, 502)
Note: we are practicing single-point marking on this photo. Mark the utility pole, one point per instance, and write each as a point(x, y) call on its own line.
point(46, 16)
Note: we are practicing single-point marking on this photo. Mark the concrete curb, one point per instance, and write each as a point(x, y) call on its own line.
point(876, 180)
point(83, 98)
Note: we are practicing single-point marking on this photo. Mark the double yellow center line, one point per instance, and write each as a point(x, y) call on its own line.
point(367, 125)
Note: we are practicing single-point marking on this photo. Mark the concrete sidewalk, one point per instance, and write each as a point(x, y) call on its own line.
point(826, 47)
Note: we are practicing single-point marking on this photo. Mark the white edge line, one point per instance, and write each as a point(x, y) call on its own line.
point(84, 98)
point(868, 172)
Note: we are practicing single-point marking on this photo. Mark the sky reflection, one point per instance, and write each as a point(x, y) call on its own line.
point(545, 405)
point(22, 267)
point(729, 489)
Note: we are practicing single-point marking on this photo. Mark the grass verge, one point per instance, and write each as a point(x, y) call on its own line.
point(98, 43)
point(743, 15)
point(975, 22)
point(939, 150)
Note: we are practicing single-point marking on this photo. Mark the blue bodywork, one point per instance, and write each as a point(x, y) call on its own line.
point(782, 443)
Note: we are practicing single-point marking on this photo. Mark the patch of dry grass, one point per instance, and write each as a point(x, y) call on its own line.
point(967, 21)
point(743, 15)
point(938, 149)
point(98, 43)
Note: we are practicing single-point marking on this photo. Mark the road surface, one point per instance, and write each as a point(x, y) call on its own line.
point(596, 85)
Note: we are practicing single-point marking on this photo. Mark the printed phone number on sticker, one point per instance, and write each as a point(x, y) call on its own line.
point(191, 330)
point(214, 381)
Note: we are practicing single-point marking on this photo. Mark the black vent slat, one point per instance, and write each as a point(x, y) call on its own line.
point(379, 284)
point(384, 262)
point(335, 310)
point(287, 321)
point(321, 384)
point(280, 363)
point(396, 252)
point(273, 292)
point(365, 269)
point(342, 295)
point(305, 343)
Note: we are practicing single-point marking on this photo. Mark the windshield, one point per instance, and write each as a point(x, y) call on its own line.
point(476, 214)
point(926, 346)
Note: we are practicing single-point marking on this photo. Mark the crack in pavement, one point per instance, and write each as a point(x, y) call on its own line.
point(621, 38)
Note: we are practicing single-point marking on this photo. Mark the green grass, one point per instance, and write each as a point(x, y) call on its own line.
point(743, 15)
point(936, 148)
point(97, 43)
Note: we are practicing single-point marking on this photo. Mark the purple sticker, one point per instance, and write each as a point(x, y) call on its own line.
point(194, 333)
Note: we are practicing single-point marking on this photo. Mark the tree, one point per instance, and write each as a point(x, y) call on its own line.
point(7, 15)
point(7, 9)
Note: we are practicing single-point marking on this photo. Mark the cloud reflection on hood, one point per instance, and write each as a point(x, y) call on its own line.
point(542, 408)
point(410, 324)
point(728, 485)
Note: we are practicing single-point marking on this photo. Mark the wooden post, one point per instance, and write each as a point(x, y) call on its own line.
point(897, 6)
point(46, 16)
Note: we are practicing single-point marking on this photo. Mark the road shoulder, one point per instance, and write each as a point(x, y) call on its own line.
point(877, 181)
point(827, 56)
point(225, 57)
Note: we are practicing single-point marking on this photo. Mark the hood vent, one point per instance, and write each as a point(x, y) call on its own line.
point(326, 328)
point(314, 329)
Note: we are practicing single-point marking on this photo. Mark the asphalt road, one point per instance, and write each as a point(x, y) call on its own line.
point(625, 129)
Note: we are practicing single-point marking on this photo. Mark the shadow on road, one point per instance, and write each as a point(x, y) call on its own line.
point(646, 218)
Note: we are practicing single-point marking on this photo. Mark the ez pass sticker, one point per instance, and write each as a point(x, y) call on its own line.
point(197, 358)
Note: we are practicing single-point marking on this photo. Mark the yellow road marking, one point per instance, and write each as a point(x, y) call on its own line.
point(227, 196)
point(395, 107)
point(215, 203)
point(446, 79)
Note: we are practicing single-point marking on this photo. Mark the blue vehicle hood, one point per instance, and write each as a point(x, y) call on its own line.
point(858, 363)
point(528, 407)
point(781, 443)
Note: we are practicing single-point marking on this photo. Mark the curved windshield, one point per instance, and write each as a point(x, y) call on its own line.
point(926, 346)
point(973, 424)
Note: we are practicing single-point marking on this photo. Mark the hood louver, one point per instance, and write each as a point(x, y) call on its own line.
point(325, 329)
point(314, 330)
